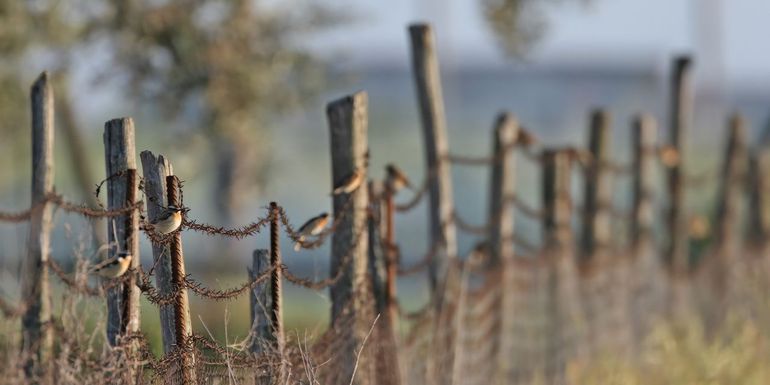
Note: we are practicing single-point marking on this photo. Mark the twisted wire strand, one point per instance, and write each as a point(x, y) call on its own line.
point(218, 294)
point(237, 233)
point(470, 228)
point(63, 204)
point(420, 265)
point(523, 207)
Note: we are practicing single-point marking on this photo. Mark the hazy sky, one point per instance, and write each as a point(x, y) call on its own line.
point(642, 32)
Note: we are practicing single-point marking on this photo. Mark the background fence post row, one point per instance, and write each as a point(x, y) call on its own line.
point(431, 101)
point(759, 215)
point(557, 203)
point(350, 296)
point(680, 125)
point(120, 157)
point(598, 187)
point(37, 335)
point(155, 171)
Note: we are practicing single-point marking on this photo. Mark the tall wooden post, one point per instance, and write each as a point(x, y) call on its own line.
point(501, 216)
point(155, 170)
point(598, 187)
point(263, 340)
point(734, 170)
point(276, 284)
point(428, 84)
point(37, 336)
point(644, 138)
point(561, 303)
point(182, 322)
point(680, 125)
point(759, 215)
point(350, 295)
point(122, 231)
point(557, 203)
point(501, 211)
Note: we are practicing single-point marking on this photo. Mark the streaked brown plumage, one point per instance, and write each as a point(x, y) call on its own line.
point(313, 226)
point(114, 267)
point(396, 179)
point(350, 183)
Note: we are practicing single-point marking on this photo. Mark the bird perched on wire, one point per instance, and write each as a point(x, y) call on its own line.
point(313, 226)
point(350, 183)
point(168, 220)
point(396, 179)
point(115, 266)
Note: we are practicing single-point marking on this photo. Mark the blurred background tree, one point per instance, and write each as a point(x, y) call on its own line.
point(518, 24)
point(222, 68)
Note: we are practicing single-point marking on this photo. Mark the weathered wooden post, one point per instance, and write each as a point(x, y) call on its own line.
point(378, 247)
point(428, 84)
point(161, 190)
point(681, 117)
point(276, 281)
point(501, 248)
point(734, 171)
point(37, 335)
point(350, 295)
point(122, 234)
point(501, 211)
point(155, 170)
point(644, 138)
point(557, 203)
point(182, 322)
point(598, 187)
point(561, 304)
point(263, 340)
point(759, 215)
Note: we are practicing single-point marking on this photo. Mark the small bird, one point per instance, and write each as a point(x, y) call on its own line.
point(669, 155)
point(396, 179)
point(350, 183)
point(168, 220)
point(114, 267)
point(526, 138)
point(313, 226)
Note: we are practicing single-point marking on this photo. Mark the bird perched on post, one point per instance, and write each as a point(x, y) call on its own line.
point(396, 179)
point(168, 220)
point(350, 183)
point(313, 226)
point(114, 267)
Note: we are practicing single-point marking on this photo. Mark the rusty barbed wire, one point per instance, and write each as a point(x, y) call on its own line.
point(468, 227)
point(523, 207)
point(218, 295)
point(82, 287)
point(420, 265)
point(63, 204)
point(237, 233)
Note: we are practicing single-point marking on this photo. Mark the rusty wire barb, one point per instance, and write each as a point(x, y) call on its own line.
point(217, 294)
point(63, 204)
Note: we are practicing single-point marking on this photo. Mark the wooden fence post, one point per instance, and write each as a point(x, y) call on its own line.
point(598, 187)
point(122, 231)
point(276, 280)
point(428, 84)
point(263, 339)
point(561, 303)
point(759, 215)
point(644, 138)
point(155, 171)
point(557, 203)
point(501, 216)
point(731, 189)
point(501, 211)
point(182, 322)
point(37, 335)
point(680, 126)
point(350, 295)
